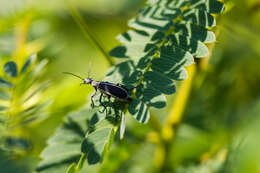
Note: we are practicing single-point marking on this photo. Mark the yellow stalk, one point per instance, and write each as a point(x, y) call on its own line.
point(21, 32)
point(179, 104)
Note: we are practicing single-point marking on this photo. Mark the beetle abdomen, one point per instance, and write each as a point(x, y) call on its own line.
point(113, 90)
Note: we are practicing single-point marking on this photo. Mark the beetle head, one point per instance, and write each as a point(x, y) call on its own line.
point(87, 81)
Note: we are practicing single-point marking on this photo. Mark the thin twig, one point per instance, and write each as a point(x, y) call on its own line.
point(89, 35)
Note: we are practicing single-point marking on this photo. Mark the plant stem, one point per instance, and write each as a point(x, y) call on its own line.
point(178, 105)
point(175, 116)
point(81, 161)
point(89, 35)
point(177, 109)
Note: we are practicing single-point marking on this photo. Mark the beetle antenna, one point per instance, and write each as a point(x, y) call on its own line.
point(74, 75)
point(89, 69)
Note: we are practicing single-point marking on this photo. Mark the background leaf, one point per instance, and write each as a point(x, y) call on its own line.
point(4, 95)
point(10, 69)
point(5, 84)
point(28, 62)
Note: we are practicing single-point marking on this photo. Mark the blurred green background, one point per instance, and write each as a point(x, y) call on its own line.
point(221, 123)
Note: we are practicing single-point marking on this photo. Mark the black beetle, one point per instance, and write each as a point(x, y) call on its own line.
point(116, 91)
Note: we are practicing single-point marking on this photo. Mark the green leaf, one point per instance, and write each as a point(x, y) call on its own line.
point(124, 73)
point(166, 37)
point(211, 6)
point(159, 82)
point(122, 126)
point(17, 142)
point(39, 68)
point(195, 32)
point(94, 145)
point(151, 97)
point(138, 37)
point(28, 63)
point(85, 131)
point(33, 112)
point(5, 84)
point(64, 146)
point(4, 95)
point(3, 108)
point(95, 142)
point(118, 52)
point(199, 17)
point(10, 69)
point(195, 47)
point(171, 62)
point(2, 119)
point(139, 110)
point(57, 154)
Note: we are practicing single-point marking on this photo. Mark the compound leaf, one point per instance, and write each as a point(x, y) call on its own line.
point(166, 36)
point(85, 131)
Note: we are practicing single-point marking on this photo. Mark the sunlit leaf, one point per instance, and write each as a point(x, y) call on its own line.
point(10, 69)
point(122, 127)
point(139, 111)
point(166, 36)
point(28, 63)
point(159, 82)
point(94, 143)
point(4, 95)
point(85, 131)
point(5, 84)
point(3, 108)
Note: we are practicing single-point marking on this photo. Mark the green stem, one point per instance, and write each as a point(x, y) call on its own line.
point(89, 35)
point(81, 161)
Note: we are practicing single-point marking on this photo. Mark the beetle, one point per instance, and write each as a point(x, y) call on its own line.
point(117, 91)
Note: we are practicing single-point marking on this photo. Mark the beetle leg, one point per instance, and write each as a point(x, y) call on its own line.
point(119, 115)
point(109, 97)
point(116, 112)
point(109, 100)
point(92, 101)
point(100, 101)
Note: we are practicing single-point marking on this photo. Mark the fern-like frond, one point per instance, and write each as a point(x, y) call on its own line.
point(19, 99)
point(165, 37)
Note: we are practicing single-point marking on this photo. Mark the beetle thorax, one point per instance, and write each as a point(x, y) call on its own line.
point(94, 83)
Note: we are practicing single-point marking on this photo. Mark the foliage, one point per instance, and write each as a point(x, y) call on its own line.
point(20, 103)
point(66, 145)
point(166, 36)
point(211, 124)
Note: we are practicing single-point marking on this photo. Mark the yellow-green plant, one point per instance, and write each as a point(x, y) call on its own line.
point(21, 102)
point(165, 37)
